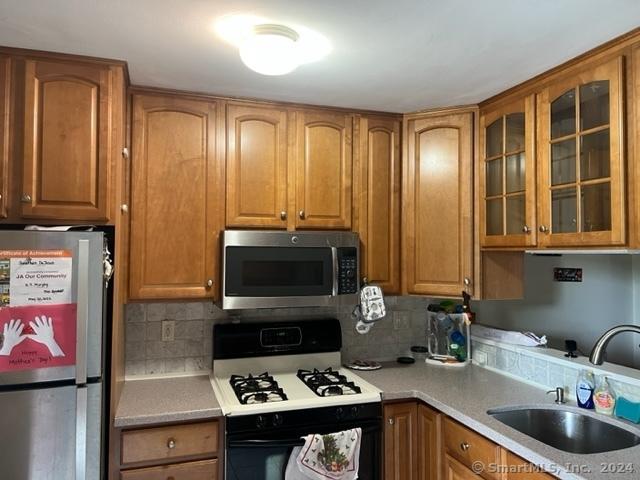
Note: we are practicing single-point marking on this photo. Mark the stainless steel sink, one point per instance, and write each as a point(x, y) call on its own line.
point(566, 428)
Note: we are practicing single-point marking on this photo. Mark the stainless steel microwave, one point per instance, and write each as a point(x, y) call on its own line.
point(273, 269)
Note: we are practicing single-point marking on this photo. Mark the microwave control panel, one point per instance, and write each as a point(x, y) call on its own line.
point(347, 271)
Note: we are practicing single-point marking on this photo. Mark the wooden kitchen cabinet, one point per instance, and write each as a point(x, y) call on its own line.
point(438, 251)
point(507, 175)
point(378, 192)
point(188, 451)
point(581, 174)
point(5, 102)
point(429, 443)
point(454, 470)
point(469, 448)
point(257, 149)
point(72, 123)
point(177, 197)
point(520, 469)
point(400, 441)
point(323, 169)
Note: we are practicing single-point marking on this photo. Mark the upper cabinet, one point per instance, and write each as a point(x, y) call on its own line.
point(438, 250)
point(581, 175)
point(72, 114)
point(378, 193)
point(177, 197)
point(257, 166)
point(5, 97)
point(323, 171)
point(507, 175)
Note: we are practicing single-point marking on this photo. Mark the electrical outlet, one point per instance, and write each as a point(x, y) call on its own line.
point(400, 320)
point(168, 330)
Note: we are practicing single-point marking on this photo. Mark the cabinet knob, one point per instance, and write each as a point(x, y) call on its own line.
point(171, 443)
point(124, 208)
point(283, 215)
point(391, 422)
point(526, 229)
point(464, 446)
point(543, 229)
point(209, 283)
point(467, 281)
point(301, 214)
point(26, 198)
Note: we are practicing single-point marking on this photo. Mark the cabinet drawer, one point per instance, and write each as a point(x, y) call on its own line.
point(206, 470)
point(162, 443)
point(520, 469)
point(469, 447)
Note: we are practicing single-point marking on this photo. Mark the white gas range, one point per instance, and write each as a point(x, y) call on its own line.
point(278, 382)
point(246, 386)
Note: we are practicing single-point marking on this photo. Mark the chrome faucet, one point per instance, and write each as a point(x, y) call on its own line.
point(597, 354)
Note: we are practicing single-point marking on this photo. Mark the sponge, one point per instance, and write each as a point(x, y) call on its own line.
point(628, 410)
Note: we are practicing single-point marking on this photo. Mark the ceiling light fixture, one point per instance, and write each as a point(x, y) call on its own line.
point(271, 48)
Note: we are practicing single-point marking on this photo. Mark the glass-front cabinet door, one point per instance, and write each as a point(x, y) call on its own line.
point(580, 160)
point(507, 175)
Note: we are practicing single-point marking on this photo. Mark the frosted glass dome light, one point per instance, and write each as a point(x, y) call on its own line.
point(271, 49)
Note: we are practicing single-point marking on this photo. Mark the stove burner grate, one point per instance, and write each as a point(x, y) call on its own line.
point(327, 383)
point(256, 389)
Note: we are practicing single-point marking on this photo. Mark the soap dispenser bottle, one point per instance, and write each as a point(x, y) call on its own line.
point(584, 389)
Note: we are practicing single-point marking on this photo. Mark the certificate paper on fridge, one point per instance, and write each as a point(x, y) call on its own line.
point(35, 277)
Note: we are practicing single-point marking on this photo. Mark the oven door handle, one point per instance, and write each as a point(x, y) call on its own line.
point(290, 442)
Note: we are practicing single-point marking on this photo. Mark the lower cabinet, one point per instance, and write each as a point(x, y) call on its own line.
point(421, 443)
point(179, 452)
point(411, 442)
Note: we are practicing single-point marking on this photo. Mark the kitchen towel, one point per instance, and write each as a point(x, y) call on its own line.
point(334, 457)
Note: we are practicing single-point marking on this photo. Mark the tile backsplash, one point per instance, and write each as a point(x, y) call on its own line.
point(187, 344)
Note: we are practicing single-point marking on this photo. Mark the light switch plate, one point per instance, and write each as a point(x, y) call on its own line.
point(168, 330)
point(480, 357)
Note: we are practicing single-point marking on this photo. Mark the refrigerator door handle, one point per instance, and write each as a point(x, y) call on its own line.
point(83, 312)
point(81, 433)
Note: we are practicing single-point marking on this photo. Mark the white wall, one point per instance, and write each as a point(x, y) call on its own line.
point(608, 295)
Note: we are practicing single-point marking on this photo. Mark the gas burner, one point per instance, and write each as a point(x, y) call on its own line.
point(256, 389)
point(327, 383)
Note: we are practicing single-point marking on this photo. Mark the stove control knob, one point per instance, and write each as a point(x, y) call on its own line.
point(339, 413)
point(355, 411)
point(277, 420)
point(261, 421)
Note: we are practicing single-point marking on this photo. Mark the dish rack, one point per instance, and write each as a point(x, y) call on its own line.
point(441, 327)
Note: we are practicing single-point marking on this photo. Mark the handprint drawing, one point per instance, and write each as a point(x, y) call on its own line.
point(42, 327)
point(11, 336)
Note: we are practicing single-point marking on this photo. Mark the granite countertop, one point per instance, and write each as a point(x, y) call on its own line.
point(162, 400)
point(465, 394)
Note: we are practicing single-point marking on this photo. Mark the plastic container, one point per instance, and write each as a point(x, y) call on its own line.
point(628, 410)
point(603, 397)
point(584, 389)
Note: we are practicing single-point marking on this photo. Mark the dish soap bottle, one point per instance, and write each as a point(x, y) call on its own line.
point(584, 389)
point(603, 397)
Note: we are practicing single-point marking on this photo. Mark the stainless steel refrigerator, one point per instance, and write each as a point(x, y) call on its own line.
point(52, 396)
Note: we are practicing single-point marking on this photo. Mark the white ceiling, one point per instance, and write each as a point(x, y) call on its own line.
point(392, 55)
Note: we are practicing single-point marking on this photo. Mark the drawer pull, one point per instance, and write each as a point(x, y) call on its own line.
point(171, 443)
point(391, 422)
point(464, 446)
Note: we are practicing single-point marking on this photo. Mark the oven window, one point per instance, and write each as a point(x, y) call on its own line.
point(278, 271)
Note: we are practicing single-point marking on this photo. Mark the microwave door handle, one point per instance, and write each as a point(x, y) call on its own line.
point(334, 261)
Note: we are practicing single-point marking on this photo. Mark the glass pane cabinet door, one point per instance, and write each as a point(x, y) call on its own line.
point(507, 178)
point(580, 160)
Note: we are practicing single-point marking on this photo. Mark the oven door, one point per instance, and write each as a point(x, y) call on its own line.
point(265, 456)
point(271, 277)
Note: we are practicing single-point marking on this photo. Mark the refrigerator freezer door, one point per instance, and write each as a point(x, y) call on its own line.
point(87, 293)
point(45, 436)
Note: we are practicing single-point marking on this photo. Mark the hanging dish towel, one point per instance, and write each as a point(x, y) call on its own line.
point(326, 457)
